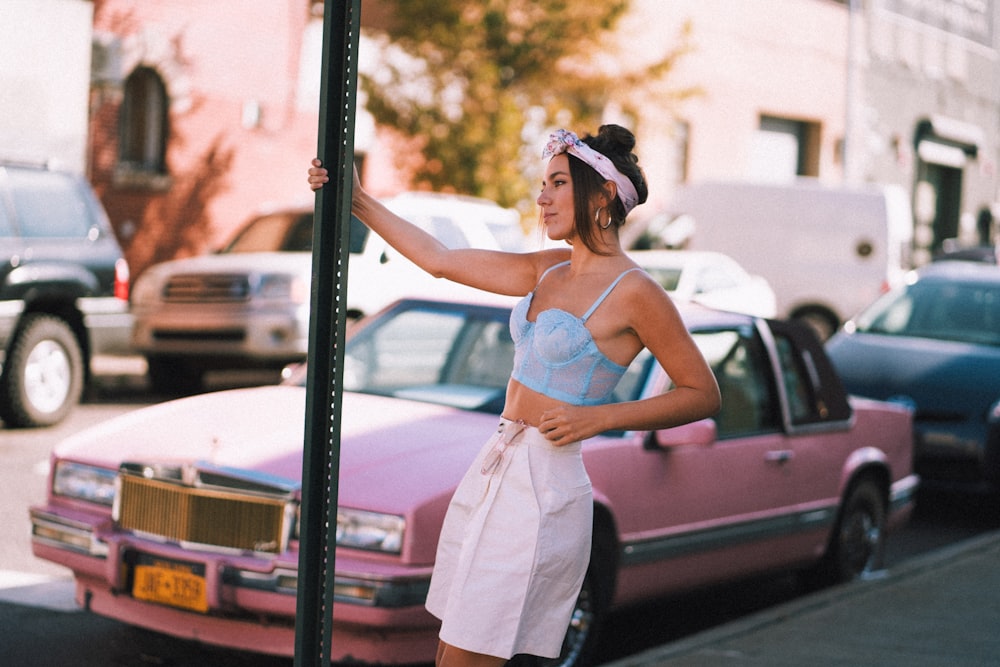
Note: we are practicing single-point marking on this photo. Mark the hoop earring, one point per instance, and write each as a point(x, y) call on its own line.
point(597, 218)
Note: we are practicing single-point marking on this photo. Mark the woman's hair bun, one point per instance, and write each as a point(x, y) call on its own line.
point(616, 138)
point(616, 143)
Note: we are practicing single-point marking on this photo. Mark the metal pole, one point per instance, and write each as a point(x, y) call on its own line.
point(848, 148)
point(324, 387)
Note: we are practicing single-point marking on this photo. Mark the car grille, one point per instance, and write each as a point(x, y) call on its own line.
point(215, 335)
point(208, 516)
point(216, 287)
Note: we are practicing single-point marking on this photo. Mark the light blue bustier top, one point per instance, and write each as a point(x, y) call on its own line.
point(556, 355)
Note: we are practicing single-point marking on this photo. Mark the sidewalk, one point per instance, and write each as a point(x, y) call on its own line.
point(939, 610)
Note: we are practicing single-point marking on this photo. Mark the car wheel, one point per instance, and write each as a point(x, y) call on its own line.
point(823, 322)
point(581, 641)
point(43, 377)
point(174, 375)
point(857, 547)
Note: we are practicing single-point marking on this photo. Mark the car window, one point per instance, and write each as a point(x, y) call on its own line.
point(631, 386)
point(6, 224)
point(452, 356)
point(483, 357)
point(48, 205)
point(288, 231)
point(739, 362)
point(300, 235)
point(800, 379)
point(463, 359)
point(889, 315)
point(964, 312)
point(264, 234)
point(438, 356)
point(668, 278)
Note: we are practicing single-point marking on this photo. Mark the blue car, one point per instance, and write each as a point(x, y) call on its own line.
point(934, 343)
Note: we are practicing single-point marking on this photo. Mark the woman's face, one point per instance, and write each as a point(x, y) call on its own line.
point(556, 200)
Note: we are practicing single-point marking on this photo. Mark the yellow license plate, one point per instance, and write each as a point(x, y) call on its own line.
point(169, 583)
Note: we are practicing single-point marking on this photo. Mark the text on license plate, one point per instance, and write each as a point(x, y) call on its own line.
point(170, 583)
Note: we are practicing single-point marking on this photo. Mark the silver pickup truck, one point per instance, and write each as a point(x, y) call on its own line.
point(247, 306)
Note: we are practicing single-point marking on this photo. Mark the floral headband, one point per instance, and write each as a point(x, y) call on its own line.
point(564, 141)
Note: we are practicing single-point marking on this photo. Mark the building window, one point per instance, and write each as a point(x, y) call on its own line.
point(785, 148)
point(143, 125)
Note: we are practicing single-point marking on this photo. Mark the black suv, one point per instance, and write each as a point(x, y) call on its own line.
point(63, 292)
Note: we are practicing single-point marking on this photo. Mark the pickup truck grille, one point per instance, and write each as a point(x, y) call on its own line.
point(207, 516)
point(213, 287)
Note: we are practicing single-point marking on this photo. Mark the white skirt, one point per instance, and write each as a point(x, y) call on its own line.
point(514, 547)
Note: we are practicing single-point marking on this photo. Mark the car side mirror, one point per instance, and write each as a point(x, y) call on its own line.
point(702, 432)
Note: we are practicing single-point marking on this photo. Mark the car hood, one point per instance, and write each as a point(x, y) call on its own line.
point(418, 450)
point(257, 262)
point(945, 380)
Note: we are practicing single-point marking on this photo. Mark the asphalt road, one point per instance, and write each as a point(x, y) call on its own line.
point(43, 627)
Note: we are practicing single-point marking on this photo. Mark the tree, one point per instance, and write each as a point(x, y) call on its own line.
point(473, 84)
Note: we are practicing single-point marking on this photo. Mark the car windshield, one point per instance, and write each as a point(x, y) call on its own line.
point(448, 354)
point(667, 277)
point(961, 312)
point(287, 231)
point(48, 205)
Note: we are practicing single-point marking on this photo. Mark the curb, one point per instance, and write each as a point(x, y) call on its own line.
point(782, 612)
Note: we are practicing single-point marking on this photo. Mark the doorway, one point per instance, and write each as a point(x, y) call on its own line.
point(945, 185)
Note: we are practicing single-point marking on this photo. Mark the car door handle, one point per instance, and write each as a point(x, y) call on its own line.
point(780, 456)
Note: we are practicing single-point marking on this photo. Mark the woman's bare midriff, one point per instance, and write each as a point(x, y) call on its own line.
point(527, 405)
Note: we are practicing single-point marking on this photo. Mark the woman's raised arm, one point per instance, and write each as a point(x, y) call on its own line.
point(490, 270)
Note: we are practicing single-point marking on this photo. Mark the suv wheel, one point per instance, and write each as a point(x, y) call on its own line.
point(43, 377)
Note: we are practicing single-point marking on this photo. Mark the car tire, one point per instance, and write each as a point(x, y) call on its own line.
point(580, 644)
point(174, 376)
point(43, 377)
point(857, 546)
point(820, 320)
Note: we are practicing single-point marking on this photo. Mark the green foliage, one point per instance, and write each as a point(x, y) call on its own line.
point(477, 73)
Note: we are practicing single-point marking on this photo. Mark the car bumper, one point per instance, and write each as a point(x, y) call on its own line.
point(250, 602)
point(350, 642)
point(226, 332)
point(959, 455)
point(109, 324)
point(902, 500)
point(10, 311)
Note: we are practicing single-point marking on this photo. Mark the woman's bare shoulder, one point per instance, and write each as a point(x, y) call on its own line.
point(546, 259)
point(647, 299)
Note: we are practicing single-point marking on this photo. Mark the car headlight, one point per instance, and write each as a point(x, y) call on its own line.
point(284, 287)
point(84, 482)
point(370, 530)
point(145, 290)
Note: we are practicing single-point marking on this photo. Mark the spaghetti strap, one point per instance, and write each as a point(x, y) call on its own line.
point(601, 298)
point(546, 272)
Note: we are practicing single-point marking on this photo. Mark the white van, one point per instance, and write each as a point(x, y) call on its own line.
point(827, 252)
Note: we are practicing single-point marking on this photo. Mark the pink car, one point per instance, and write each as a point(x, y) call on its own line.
point(182, 517)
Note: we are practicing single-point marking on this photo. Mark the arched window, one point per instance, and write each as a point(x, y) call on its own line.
point(143, 126)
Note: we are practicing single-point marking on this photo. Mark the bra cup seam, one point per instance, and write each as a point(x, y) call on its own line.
point(527, 353)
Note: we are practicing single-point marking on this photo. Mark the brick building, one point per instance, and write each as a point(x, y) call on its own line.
point(202, 113)
point(197, 118)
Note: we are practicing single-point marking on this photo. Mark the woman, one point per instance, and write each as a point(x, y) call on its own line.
point(516, 539)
